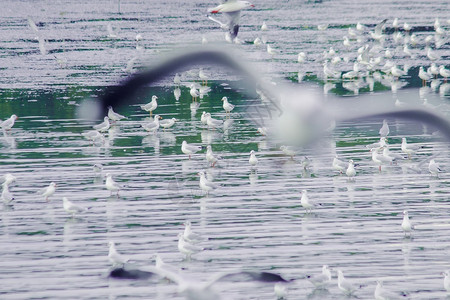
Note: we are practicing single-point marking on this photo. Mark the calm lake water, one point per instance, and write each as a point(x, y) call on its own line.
point(254, 221)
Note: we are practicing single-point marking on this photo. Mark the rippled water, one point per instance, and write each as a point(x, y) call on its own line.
point(254, 220)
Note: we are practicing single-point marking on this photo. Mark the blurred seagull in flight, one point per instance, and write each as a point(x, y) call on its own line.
point(232, 10)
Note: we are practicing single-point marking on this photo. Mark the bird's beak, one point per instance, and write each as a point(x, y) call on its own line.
point(252, 5)
point(160, 117)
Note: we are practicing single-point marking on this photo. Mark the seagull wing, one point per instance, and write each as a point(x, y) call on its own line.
point(222, 25)
point(379, 28)
point(233, 22)
point(247, 276)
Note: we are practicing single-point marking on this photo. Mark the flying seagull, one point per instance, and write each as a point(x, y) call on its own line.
point(232, 10)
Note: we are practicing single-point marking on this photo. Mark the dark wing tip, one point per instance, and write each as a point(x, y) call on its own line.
point(122, 273)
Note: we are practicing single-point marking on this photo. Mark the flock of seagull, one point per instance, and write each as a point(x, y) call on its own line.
point(371, 63)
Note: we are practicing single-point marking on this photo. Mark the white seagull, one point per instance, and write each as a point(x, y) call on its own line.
point(446, 280)
point(167, 123)
point(115, 257)
point(151, 106)
point(210, 157)
point(408, 148)
point(152, 127)
point(304, 201)
point(289, 151)
point(351, 172)
point(322, 280)
point(433, 168)
point(407, 227)
point(112, 115)
point(103, 126)
point(189, 235)
point(384, 130)
point(9, 178)
point(211, 122)
point(232, 10)
point(111, 185)
point(8, 123)
point(48, 191)
point(187, 248)
point(338, 164)
point(189, 148)
point(344, 285)
point(205, 184)
point(227, 106)
point(72, 208)
point(7, 196)
point(253, 160)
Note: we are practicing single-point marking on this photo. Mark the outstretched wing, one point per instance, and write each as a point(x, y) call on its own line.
point(233, 22)
point(248, 276)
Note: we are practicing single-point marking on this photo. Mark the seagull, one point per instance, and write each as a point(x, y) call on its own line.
point(433, 167)
point(98, 168)
point(383, 294)
point(446, 280)
point(187, 248)
point(211, 122)
point(227, 106)
point(444, 72)
point(177, 93)
point(111, 185)
point(304, 201)
point(280, 290)
point(301, 57)
point(152, 126)
point(384, 130)
point(115, 257)
point(232, 10)
point(48, 191)
point(408, 148)
point(253, 160)
point(271, 51)
point(194, 93)
point(189, 148)
point(9, 178)
point(167, 123)
point(103, 126)
point(210, 156)
point(424, 76)
point(289, 151)
point(203, 77)
point(432, 55)
point(190, 236)
point(377, 158)
point(7, 196)
point(264, 26)
point(205, 184)
point(112, 115)
point(94, 136)
point(344, 285)
point(351, 172)
point(257, 41)
point(338, 164)
point(377, 34)
point(406, 224)
point(321, 281)
point(72, 208)
point(151, 106)
point(193, 290)
point(8, 123)
point(322, 27)
point(177, 79)
point(262, 130)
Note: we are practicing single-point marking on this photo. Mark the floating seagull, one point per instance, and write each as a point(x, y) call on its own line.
point(253, 160)
point(203, 77)
point(301, 57)
point(408, 148)
point(232, 10)
point(210, 156)
point(433, 168)
point(205, 184)
point(167, 123)
point(98, 168)
point(103, 126)
point(344, 285)
point(211, 122)
point(151, 106)
point(111, 185)
point(271, 51)
point(7, 196)
point(406, 224)
point(9, 178)
point(189, 148)
point(257, 41)
point(338, 165)
point(72, 208)
point(381, 293)
point(321, 281)
point(48, 191)
point(8, 123)
point(187, 248)
point(289, 151)
point(112, 115)
point(350, 172)
point(190, 236)
point(384, 130)
point(111, 33)
point(322, 27)
point(152, 127)
point(446, 280)
point(304, 201)
point(227, 106)
point(115, 257)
